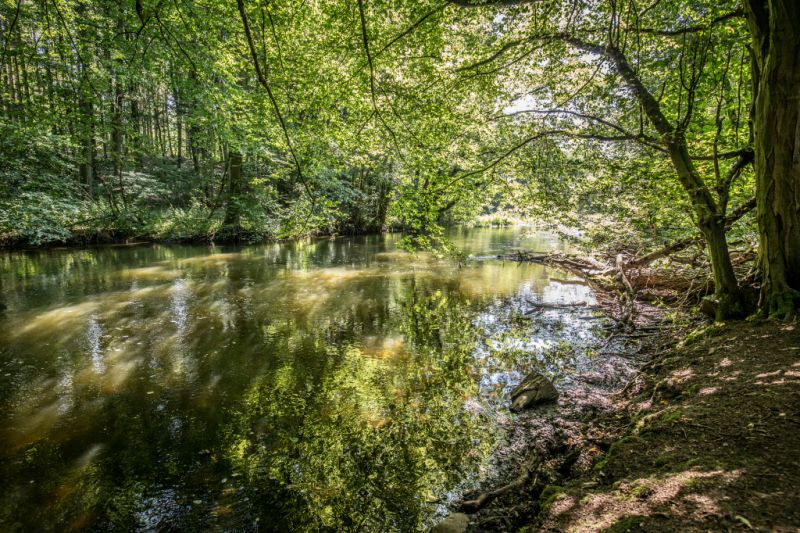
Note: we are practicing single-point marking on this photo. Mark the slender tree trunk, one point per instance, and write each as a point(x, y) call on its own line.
point(116, 129)
point(710, 218)
point(12, 98)
point(26, 88)
point(157, 128)
point(86, 168)
point(19, 90)
point(179, 127)
point(50, 82)
point(5, 106)
point(167, 129)
point(775, 28)
point(135, 130)
point(232, 220)
point(191, 144)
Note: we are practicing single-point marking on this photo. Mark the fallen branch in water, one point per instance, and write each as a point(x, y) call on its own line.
point(563, 281)
point(545, 305)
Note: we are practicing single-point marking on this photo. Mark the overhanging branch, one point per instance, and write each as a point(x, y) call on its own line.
point(644, 139)
point(527, 141)
point(263, 81)
point(739, 13)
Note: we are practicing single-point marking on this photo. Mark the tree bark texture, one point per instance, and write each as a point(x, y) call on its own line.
point(775, 28)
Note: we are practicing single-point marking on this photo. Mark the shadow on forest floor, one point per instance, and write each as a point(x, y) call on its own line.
point(712, 443)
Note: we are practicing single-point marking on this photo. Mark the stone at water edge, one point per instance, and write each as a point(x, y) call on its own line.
point(533, 390)
point(455, 523)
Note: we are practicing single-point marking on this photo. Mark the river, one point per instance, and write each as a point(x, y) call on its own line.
point(326, 384)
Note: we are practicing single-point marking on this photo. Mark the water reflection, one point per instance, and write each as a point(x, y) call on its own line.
point(93, 339)
point(324, 384)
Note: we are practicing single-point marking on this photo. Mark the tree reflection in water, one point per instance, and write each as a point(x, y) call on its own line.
point(312, 385)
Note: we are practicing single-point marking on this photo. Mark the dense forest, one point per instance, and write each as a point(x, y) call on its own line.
point(642, 125)
point(252, 274)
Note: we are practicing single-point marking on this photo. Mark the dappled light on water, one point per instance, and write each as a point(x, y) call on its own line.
point(325, 383)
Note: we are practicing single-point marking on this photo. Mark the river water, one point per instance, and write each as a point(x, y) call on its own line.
point(328, 384)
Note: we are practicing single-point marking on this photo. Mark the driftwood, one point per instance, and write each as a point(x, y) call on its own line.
point(624, 283)
point(563, 281)
point(545, 305)
point(473, 506)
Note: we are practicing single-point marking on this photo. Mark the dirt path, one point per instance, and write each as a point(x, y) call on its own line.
point(708, 438)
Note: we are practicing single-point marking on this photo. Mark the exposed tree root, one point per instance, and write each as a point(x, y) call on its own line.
point(473, 506)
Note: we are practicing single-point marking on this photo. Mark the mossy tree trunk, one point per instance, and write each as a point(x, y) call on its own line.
point(710, 214)
point(775, 28)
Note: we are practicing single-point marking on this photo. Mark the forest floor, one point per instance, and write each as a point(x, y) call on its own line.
point(705, 437)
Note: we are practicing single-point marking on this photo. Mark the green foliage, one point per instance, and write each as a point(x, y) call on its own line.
point(358, 433)
point(418, 117)
point(38, 197)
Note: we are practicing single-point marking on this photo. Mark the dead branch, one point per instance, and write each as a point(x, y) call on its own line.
point(545, 305)
point(473, 506)
point(682, 244)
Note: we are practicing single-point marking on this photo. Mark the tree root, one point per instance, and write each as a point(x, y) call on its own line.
point(473, 506)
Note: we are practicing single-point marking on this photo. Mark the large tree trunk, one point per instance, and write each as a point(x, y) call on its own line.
point(730, 301)
point(775, 28)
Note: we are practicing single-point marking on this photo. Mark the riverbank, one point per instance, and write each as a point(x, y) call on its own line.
point(711, 441)
point(705, 437)
point(243, 238)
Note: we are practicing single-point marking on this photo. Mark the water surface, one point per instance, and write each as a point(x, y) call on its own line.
point(335, 384)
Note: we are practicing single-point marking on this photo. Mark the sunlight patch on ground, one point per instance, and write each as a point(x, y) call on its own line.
point(682, 375)
point(645, 497)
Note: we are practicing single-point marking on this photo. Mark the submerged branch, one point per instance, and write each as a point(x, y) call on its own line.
point(473, 506)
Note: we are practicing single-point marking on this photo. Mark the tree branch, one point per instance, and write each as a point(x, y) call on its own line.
point(263, 81)
point(11, 31)
point(408, 30)
point(682, 244)
point(540, 135)
point(725, 155)
point(365, 40)
point(502, 50)
point(644, 139)
point(739, 13)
